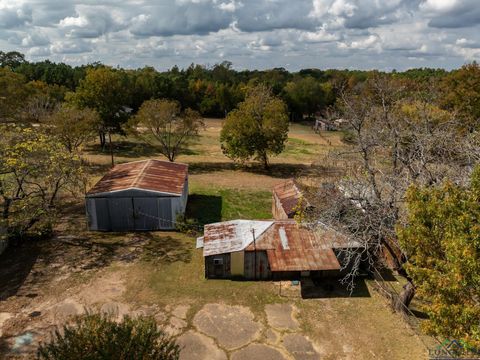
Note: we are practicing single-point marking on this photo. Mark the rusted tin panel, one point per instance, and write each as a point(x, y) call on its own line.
point(286, 196)
point(230, 236)
point(152, 175)
point(299, 250)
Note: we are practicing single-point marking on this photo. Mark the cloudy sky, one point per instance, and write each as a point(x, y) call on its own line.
point(295, 34)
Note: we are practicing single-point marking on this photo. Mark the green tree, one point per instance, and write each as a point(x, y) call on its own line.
point(170, 128)
point(99, 337)
point(34, 170)
point(11, 59)
point(305, 96)
point(104, 90)
point(13, 95)
point(442, 243)
point(257, 129)
point(72, 126)
point(461, 93)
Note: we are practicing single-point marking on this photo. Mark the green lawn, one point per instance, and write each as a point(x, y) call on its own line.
point(213, 204)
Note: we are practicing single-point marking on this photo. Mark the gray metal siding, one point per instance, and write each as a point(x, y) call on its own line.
point(165, 213)
point(133, 209)
point(102, 214)
point(146, 213)
point(121, 214)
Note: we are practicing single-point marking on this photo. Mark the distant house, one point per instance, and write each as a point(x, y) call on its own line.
point(137, 196)
point(322, 124)
point(279, 249)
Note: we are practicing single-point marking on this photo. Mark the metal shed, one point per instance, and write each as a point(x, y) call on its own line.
point(138, 196)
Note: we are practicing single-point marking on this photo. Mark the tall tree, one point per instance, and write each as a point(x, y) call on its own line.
point(441, 240)
point(103, 90)
point(11, 59)
point(170, 128)
point(398, 140)
point(72, 127)
point(258, 128)
point(461, 93)
point(34, 169)
point(305, 96)
point(13, 95)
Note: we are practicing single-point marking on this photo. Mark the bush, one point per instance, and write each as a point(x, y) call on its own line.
point(187, 226)
point(99, 337)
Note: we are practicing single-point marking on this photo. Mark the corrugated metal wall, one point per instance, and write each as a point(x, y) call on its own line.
point(134, 210)
point(262, 267)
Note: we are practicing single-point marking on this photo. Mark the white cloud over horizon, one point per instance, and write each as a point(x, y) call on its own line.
point(356, 34)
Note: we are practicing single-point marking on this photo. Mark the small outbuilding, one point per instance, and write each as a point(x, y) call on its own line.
point(280, 249)
point(287, 199)
point(138, 196)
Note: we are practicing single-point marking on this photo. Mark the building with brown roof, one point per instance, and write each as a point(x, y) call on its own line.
point(276, 249)
point(137, 196)
point(286, 198)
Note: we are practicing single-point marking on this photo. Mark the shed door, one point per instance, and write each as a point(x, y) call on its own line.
point(102, 214)
point(165, 213)
point(121, 214)
point(146, 214)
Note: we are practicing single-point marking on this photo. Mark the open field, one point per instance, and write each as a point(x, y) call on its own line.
point(161, 274)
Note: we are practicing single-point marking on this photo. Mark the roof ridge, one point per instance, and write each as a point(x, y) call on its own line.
point(140, 174)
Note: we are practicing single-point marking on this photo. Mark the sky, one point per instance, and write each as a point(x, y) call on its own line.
point(252, 34)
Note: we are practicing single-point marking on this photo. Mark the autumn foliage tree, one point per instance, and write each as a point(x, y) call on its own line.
point(257, 129)
point(165, 125)
point(441, 240)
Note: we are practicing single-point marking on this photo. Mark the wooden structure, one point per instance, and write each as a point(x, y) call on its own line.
point(286, 198)
point(260, 250)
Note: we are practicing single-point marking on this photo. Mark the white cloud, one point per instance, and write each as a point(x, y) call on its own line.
point(250, 33)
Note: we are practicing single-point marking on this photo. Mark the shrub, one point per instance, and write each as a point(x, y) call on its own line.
point(99, 337)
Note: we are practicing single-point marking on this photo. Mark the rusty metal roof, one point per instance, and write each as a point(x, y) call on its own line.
point(231, 236)
point(151, 175)
point(288, 194)
point(291, 247)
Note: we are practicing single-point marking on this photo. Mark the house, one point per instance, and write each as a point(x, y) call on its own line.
point(274, 249)
point(138, 196)
point(322, 124)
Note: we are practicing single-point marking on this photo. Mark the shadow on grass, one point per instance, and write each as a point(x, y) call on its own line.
point(322, 288)
point(277, 170)
point(419, 314)
point(16, 263)
point(167, 250)
point(124, 148)
point(205, 209)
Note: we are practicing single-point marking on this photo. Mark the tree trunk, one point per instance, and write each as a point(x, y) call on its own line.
point(264, 159)
point(404, 299)
point(102, 137)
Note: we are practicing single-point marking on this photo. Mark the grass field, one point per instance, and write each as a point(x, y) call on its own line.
point(164, 269)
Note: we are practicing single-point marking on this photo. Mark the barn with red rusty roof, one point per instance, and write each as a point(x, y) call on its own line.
point(139, 195)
